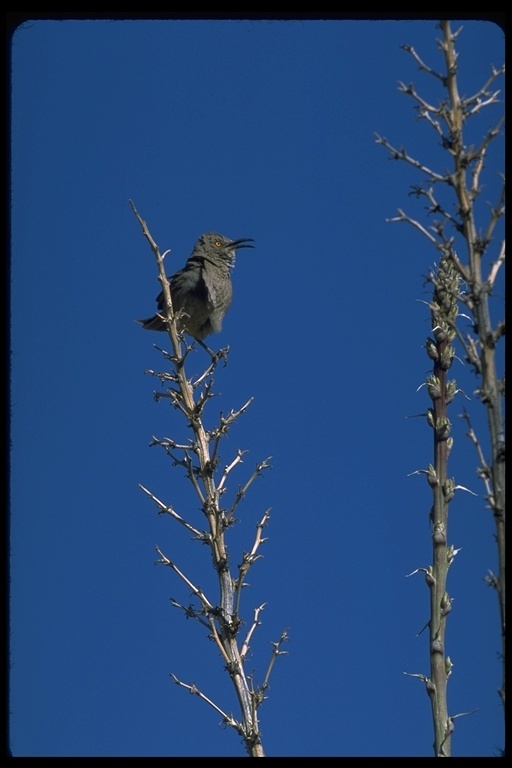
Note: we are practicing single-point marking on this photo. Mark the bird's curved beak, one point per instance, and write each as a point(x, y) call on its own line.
point(242, 242)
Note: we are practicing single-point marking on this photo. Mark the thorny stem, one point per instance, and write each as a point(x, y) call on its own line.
point(223, 619)
point(448, 120)
point(440, 350)
point(491, 389)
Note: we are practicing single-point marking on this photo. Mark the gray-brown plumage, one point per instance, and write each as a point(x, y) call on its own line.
point(201, 292)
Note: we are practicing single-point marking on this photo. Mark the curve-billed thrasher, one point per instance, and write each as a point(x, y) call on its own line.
point(201, 292)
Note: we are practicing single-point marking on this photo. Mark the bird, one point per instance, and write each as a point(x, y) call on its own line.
point(201, 292)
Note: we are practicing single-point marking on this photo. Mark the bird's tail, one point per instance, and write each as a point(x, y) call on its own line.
point(154, 323)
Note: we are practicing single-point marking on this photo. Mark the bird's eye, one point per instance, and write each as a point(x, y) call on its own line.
point(218, 243)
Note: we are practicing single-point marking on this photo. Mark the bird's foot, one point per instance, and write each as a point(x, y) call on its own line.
point(222, 354)
point(216, 357)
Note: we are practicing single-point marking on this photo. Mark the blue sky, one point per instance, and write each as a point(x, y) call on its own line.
point(261, 129)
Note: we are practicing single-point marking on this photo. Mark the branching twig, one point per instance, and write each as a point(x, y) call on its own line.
point(404, 217)
point(242, 491)
point(275, 653)
point(255, 623)
point(401, 154)
point(483, 92)
point(484, 471)
point(492, 134)
point(207, 606)
point(421, 64)
point(227, 469)
point(170, 511)
point(193, 689)
point(425, 106)
point(222, 620)
point(248, 559)
point(259, 530)
point(191, 613)
point(496, 265)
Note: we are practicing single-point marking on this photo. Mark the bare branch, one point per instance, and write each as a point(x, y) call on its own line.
point(484, 90)
point(206, 373)
point(170, 511)
point(218, 640)
point(224, 424)
point(259, 530)
point(191, 613)
point(191, 474)
point(170, 445)
point(401, 154)
point(193, 689)
point(469, 346)
point(436, 207)
point(484, 471)
point(421, 64)
point(200, 462)
point(229, 467)
point(496, 265)
point(424, 105)
point(249, 558)
point(162, 375)
point(404, 217)
point(492, 99)
point(256, 622)
point(492, 134)
point(242, 491)
point(434, 123)
point(195, 590)
point(147, 234)
point(275, 653)
point(496, 214)
point(203, 398)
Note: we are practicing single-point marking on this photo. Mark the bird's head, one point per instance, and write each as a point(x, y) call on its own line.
point(214, 246)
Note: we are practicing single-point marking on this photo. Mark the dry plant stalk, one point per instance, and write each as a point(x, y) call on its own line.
point(458, 279)
point(201, 460)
